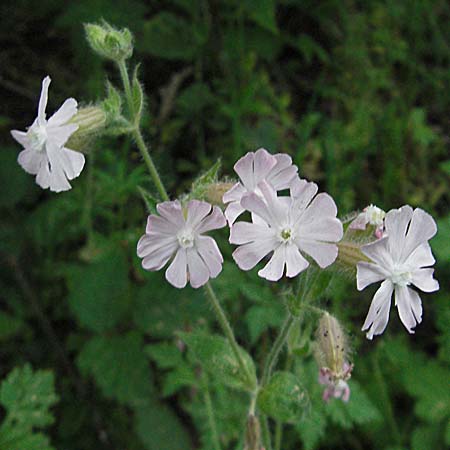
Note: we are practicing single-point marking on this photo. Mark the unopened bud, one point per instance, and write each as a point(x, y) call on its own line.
point(109, 42)
point(350, 254)
point(215, 192)
point(91, 122)
point(370, 220)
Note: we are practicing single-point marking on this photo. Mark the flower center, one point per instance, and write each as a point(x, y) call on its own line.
point(401, 278)
point(286, 234)
point(186, 239)
point(37, 136)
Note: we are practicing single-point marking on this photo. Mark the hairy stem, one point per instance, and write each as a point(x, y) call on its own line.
point(136, 132)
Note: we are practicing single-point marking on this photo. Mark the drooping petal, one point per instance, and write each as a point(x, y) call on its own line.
point(244, 232)
point(43, 175)
point(421, 229)
point(213, 221)
point(423, 279)
point(58, 177)
point(176, 273)
point(409, 307)
point(31, 160)
point(233, 211)
point(326, 229)
point(322, 252)
point(422, 256)
point(60, 135)
point(368, 273)
point(43, 100)
point(67, 110)
point(274, 269)
point(378, 315)
point(378, 252)
point(210, 253)
point(295, 263)
point(73, 162)
point(172, 211)
point(21, 138)
point(198, 270)
point(196, 212)
point(396, 222)
point(234, 194)
point(248, 255)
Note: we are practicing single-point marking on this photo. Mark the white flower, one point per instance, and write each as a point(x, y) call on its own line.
point(400, 259)
point(197, 257)
point(45, 155)
point(253, 168)
point(371, 215)
point(287, 226)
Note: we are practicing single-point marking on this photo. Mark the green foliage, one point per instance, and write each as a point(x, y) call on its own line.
point(27, 397)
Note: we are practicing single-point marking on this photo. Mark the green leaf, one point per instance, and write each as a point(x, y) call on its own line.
point(201, 183)
point(160, 429)
point(137, 95)
point(216, 356)
point(149, 200)
point(119, 367)
point(283, 398)
point(166, 355)
point(113, 102)
point(171, 37)
point(262, 12)
point(311, 429)
point(98, 292)
point(27, 397)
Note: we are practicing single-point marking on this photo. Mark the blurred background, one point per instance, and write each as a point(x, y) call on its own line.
point(357, 92)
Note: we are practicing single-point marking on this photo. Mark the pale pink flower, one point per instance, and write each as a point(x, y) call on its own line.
point(178, 233)
point(370, 215)
point(45, 155)
point(336, 384)
point(253, 168)
point(401, 258)
point(287, 226)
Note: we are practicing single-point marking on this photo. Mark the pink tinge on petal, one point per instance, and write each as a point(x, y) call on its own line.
point(234, 194)
point(157, 225)
point(359, 223)
point(379, 232)
point(172, 211)
point(213, 221)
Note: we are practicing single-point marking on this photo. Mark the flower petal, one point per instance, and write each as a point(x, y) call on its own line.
point(60, 135)
point(248, 255)
point(282, 174)
point(368, 273)
point(421, 229)
point(214, 221)
point(256, 205)
point(326, 229)
point(198, 270)
point(295, 263)
point(171, 211)
point(422, 256)
point(160, 226)
point(149, 244)
point(196, 212)
point(378, 315)
point(210, 253)
point(156, 258)
point(234, 194)
point(244, 232)
point(276, 206)
point(67, 110)
point(303, 191)
point(263, 163)
point(73, 162)
point(244, 168)
point(323, 253)
point(233, 211)
point(43, 175)
point(274, 269)
point(58, 178)
point(409, 307)
point(378, 252)
point(396, 222)
point(31, 160)
point(21, 138)
point(423, 279)
point(43, 100)
point(176, 273)
point(321, 206)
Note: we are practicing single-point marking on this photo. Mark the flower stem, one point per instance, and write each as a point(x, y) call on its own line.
point(210, 414)
point(277, 346)
point(226, 328)
point(136, 132)
point(266, 432)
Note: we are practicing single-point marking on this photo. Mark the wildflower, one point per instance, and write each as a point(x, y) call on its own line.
point(287, 226)
point(253, 168)
point(45, 155)
point(400, 259)
point(331, 353)
point(371, 215)
point(180, 233)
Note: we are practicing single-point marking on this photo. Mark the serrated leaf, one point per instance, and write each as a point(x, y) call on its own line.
point(217, 357)
point(160, 429)
point(27, 397)
point(119, 367)
point(171, 37)
point(98, 292)
point(283, 398)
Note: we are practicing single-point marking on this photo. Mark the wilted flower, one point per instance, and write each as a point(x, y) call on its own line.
point(45, 154)
point(371, 215)
point(253, 168)
point(331, 352)
point(180, 233)
point(287, 226)
point(400, 259)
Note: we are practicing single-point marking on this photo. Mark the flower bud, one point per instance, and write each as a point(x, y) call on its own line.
point(109, 42)
point(350, 254)
point(331, 352)
point(371, 220)
point(215, 191)
point(91, 122)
